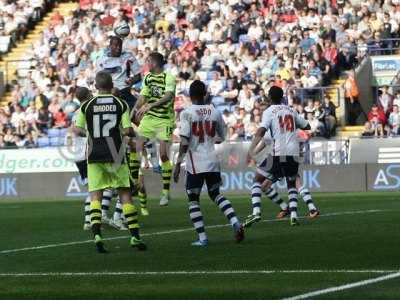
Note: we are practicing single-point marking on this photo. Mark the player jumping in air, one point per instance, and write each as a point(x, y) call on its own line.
point(202, 127)
point(106, 120)
point(156, 114)
point(125, 72)
point(282, 121)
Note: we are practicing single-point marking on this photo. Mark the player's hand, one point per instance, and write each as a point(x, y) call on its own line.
point(248, 158)
point(129, 81)
point(146, 164)
point(177, 171)
point(144, 109)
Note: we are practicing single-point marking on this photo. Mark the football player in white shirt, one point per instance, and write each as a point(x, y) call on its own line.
point(271, 192)
point(126, 71)
point(123, 68)
point(282, 122)
point(201, 128)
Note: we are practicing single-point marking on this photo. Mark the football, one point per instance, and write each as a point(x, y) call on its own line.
point(122, 30)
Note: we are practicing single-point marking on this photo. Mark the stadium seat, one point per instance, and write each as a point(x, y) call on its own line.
point(53, 132)
point(56, 141)
point(63, 132)
point(244, 38)
point(43, 142)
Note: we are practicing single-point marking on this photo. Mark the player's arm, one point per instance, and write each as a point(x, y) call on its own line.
point(127, 129)
point(133, 70)
point(79, 128)
point(265, 125)
point(301, 122)
point(183, 148)
point(258, 137)
point(221, 129)
point(185, 131)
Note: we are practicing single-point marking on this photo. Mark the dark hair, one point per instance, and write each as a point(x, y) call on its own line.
point(197, 90)
point(115, 38)
point(82, 94)
point(158, 58)
point(104, 81)
point(275, 93)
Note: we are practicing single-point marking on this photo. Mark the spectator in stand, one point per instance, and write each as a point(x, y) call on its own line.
point(385, 100)
point(9, 138)
point(44, 120)
point(40, 99)
point(60, 119)
point(377, 119)
point(330, 116)
point(353, 106)
point(316, 126)
point(319, 114)
point(396, 100)
point(4, 118)
point(310, 109)
point(300, 110)
point(368, 130)
point(54, 105)
point(17, 116)
point(394, 121)
point(2, 143)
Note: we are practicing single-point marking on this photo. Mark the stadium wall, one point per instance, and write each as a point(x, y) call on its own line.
point(338, 178)
point(364, 77)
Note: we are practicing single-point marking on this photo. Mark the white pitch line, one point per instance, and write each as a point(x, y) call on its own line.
point(344, 287)
point(217, 272)
point(179, 231)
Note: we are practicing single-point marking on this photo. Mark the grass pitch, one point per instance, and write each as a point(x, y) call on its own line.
point(45, 254)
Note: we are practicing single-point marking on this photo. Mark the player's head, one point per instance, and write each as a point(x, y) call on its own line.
point(155, 61)
point(83, 94)
point(115, 46)
point(275, 94)
point(104, 82)
point(197, 92)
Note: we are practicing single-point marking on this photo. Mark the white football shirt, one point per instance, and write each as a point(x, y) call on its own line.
point(202, 125)
point(283, 121)
point(118, 67)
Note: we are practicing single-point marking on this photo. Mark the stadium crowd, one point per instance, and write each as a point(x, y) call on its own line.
point(239, 47)
point(17, 18)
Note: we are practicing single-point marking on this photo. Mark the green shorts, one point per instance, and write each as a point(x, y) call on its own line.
point(107, 175)
point(156, 128)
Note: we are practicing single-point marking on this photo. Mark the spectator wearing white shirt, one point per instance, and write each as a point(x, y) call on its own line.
point(17, 116)
point(193, 33)
point(216, 85)
point(307, 80)
point(255, 31)
point(394, 121)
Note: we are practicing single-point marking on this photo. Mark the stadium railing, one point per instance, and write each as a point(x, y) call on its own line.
point(19, 68)
point(317, 93)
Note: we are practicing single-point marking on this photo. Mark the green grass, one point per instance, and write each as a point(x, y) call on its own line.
point(341, 240)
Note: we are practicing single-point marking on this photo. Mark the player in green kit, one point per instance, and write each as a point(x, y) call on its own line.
point(156, 114)
point(105, 118)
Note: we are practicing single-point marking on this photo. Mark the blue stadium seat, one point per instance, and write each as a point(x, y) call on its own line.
point(53, 132)
point(56, 141)
point(210, 75)
point(63, 132)
point(244, 38)
point(43, 142)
